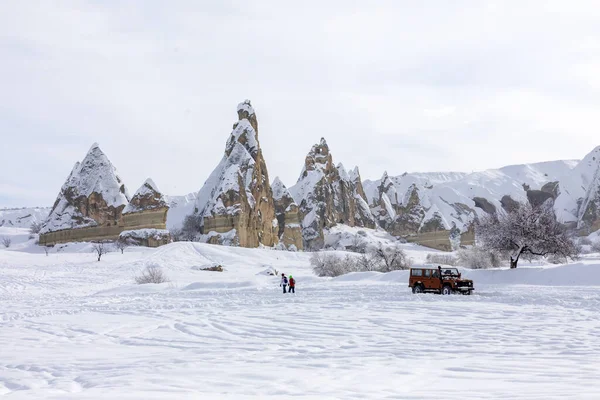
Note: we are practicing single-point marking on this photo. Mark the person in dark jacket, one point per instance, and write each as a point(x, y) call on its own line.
point(284, 282)
point(292, 283)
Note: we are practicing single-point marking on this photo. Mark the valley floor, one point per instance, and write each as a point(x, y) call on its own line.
point(74, 328)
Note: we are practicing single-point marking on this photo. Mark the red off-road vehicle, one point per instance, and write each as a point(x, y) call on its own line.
point(438, 280)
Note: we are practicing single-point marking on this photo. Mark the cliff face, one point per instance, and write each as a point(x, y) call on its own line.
point(286, 211)
point(93, 195)
point(235, 205)
point(328, 195)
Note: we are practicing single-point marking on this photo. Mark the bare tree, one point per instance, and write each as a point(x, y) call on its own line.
point(392, 258)
point(6, 242)
point(527, 231)
point(100, 249)
point(191, 227)
point(152, 274)
point(35, 228)
point(122, 244)
point(176, 235)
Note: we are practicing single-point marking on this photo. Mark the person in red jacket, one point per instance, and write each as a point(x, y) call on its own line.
point(292, 283)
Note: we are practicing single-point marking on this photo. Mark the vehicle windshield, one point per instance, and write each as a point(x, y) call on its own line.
point(450, 271)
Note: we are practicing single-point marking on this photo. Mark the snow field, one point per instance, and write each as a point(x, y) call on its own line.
point(72, 327)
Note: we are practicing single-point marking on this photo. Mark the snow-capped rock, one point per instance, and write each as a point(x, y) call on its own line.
point(147, 197)
point(415, 203)
point(237, 196)
point(23, 217)
point(327, 195)
point(286, 211)
point(92, 195)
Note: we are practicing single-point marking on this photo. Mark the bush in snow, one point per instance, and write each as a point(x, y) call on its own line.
point(391, 258)
point(438, 258)
point(176, 235)
point(381, 259)
point(584, 241)
point(527, 231)
point(478, 258)
point(330, 264)
point(35, 228)
point(152, 274)
point(596, 246)
point(6, 242)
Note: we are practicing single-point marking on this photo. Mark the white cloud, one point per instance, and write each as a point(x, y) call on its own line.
point(401, 86)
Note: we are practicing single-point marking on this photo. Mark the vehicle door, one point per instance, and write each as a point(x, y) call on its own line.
point(436, 282)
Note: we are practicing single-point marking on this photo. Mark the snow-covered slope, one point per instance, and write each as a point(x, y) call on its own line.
point(23, 217)
point(92, 194)
point(179, 208)
point(74, 328)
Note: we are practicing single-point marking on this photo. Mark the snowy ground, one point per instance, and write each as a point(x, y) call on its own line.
point(74, 328)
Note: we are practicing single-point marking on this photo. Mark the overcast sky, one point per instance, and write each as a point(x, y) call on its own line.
point(397, 86)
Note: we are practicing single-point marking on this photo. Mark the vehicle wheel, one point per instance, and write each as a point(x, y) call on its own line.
point(446, 290)
point(417, 289)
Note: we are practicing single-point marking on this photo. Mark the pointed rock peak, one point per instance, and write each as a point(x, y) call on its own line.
point(354, 175)
point(320, 148)
point(279, 189)
point(245, 132)
point(385, 176)
point(149, 183)
point(94, 146)
point(147, 197)
point(245, 109)
point(342, 171)
point(246, 112)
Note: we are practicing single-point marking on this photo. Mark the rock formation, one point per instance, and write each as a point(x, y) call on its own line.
point(235, 205)
point(286, 211)
point(92, 196)
point(93, 205)
point(145, 216)
point(327, 195)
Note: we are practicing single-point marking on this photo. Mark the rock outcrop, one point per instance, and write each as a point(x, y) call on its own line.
point(147, 212)
point(235, 205)
point(93, 205)
point(93, 196)
point(327, 195)
point(286, 211)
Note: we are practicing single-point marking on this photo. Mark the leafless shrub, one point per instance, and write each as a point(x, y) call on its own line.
point(6, 242)
point(527, 231)
point(392, 258)
point(438, 258)
point(176, 235)
point(585, 241)
point(152, 274)
point(35, 228)
point(100, 249)
point(330, 264)
point(382, 259)
point(478, 258)
point(596, 246)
